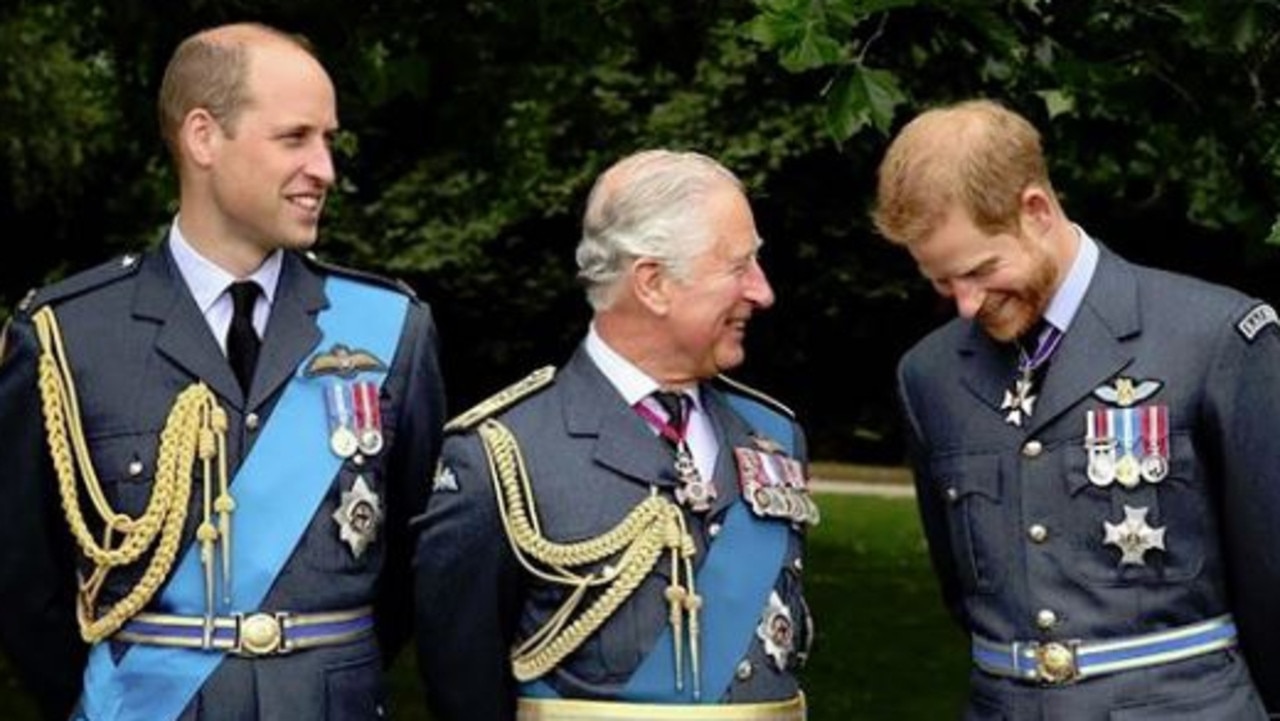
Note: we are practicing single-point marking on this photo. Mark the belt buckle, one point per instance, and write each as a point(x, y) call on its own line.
point(261, 634)
point(1057, 662)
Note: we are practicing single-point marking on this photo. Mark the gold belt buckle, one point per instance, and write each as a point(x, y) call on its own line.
point(1056, 662)
point(260, 634)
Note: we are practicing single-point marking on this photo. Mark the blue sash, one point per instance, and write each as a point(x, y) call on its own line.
point(734, 591)
point(155, 683)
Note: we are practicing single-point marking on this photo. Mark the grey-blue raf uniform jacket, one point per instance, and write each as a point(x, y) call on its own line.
point(1016, 528)
point(134, 339)
point(591, 460)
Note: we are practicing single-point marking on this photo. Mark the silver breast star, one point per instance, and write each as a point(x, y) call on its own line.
point(1133, 536)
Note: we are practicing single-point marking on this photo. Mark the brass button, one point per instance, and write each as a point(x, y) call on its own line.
point(1032, 449)
point(135, 468)
point(744, 670)
point(1046, 619)
point(1037, 533)
point(252, 421)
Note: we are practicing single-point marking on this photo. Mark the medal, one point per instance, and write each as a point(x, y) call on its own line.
point(777, 632)
point(1020, 400)
point(342, 437)
point(358, 517)
point(368, 417)
point(1133, 536)
point(694, 493)
point(1155, 443)
point(1127, 471)
point(1100, 446)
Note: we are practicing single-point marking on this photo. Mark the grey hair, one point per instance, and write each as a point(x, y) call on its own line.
point(647, 205)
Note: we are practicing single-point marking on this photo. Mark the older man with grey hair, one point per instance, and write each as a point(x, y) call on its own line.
point(622, 539)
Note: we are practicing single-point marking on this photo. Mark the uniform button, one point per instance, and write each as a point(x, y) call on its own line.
point(1037, 533)
point(1031, 449)
point(713, 530)
point(744, 670)
point(798, 564)
point(1046, 619)
point(251, 421)
point(952, 493)
point(135, 468)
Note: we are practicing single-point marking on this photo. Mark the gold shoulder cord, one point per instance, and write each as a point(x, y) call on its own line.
point(655, 525)
point(196, 426)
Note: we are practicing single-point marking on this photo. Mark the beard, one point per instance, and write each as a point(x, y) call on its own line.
point(1006, 316)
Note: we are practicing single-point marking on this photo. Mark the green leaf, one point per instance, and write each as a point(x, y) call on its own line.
point(1057, 102)
point(862, 96)
point(1273, 238)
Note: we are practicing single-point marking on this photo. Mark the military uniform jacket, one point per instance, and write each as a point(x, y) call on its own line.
point(134, 339)
point(591, 460)
point(1016, 528)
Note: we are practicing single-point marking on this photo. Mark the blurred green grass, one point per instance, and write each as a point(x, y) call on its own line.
point(884, 648)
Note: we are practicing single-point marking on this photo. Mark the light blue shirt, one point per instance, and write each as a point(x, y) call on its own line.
point(1062, 309)
point(209, 285)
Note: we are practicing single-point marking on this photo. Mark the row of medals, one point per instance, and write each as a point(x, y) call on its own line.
point(355, 419)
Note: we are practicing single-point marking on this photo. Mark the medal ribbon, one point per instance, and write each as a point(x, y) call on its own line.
point(1155, 430)
point(1045, 346)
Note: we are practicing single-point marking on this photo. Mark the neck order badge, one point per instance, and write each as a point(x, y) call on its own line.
point(1020, 400)
point(694, 492)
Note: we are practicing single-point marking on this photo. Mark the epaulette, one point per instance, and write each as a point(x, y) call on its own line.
point(82, 282)
point(502, 400)
point(764, 398)
point(361, 275)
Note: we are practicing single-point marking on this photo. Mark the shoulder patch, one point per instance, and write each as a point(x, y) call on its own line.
point(82, 282)
point(503, 399)
point(361, 275)
point(1258, 317)
point(764, 398)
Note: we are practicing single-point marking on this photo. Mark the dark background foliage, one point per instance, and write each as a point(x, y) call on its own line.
point(472, 131)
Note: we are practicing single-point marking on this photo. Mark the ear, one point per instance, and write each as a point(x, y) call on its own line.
point(200, 137)
point(651, 285)
point(1039, 210)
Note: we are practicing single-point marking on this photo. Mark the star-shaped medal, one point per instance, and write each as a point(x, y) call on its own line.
point(358, 516)
point(1018, 402)
point(777, 631)
point(1133, 536)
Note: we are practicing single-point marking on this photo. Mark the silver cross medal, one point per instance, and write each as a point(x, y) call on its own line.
point(1133, 536)
point(1019, 401)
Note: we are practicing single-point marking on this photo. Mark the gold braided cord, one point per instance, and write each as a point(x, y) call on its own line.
point(190, 431)
point(637, 542)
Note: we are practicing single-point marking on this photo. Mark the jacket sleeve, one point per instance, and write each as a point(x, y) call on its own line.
point(38, 630)
point(418, 428)
point(1241, 415)
point(468, 587)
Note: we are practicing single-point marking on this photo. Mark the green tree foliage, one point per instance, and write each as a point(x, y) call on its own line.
point(473, 128)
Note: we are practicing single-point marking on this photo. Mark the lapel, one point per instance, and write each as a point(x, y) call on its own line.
point(731, 432)
point(593, 408)
point(291, 331)
point(1093, 349)
point(184, 336)
point(987, 368)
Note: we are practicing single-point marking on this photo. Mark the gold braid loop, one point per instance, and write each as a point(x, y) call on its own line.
point(654, 526)
point(185, 435)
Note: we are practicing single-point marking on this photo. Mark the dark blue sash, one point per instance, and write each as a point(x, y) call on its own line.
point(735, 581)
point(155, 683)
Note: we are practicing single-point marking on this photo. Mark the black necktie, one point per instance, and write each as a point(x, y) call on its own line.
point(242, 340)
point(673, 404)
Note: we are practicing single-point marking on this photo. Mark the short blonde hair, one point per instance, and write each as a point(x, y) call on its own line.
point(976, 153)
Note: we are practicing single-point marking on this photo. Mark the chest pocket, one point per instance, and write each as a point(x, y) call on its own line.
point(1179, 504)
point(125, 465)
point(971, 488)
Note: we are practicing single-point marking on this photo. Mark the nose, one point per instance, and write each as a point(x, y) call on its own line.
point(320, 165)
point(968, 297)
point(758, 290)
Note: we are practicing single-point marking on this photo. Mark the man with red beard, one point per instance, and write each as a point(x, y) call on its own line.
point(212, 449)
point(622, 539)
point(1093, 444)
